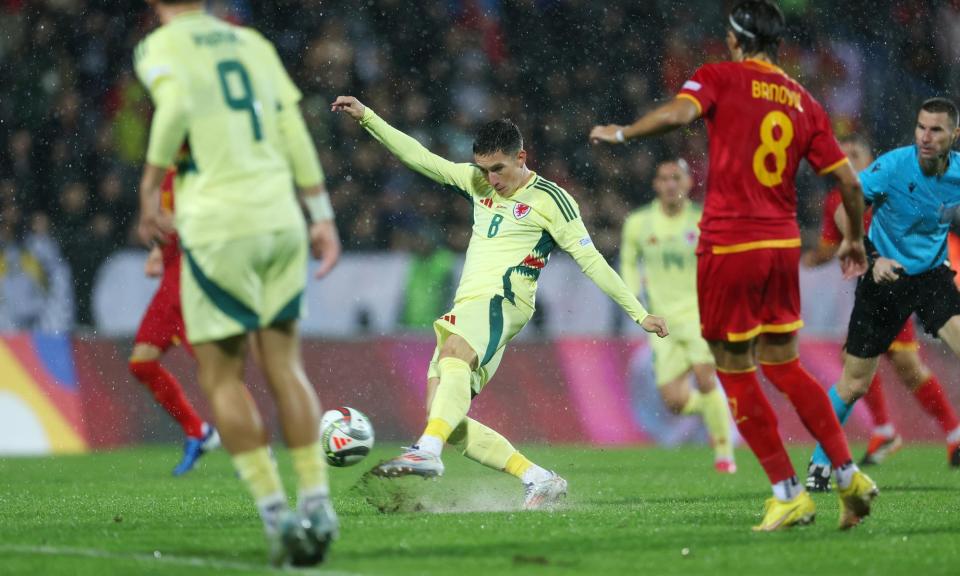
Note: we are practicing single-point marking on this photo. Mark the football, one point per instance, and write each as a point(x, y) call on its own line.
point(347, 436)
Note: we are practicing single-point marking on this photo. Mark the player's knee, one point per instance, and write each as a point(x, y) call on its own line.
point(674, 397)
point(457, 347)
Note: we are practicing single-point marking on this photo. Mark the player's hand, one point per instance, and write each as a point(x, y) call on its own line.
point(353, 107)
point(853, 258)
point(153, 267)
point(155, 227)
point(606, 133)
point(886, 270)
point(325, 245)
point(655, 325)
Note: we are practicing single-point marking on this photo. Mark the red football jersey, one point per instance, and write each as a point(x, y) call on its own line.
point(171, 249)
point(760, 124)
point(829, 232)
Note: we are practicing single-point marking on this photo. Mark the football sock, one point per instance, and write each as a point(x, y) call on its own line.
point(934, 402)
point(812, 405)
point(844, 474)
point(450, 402)
point(486, 446)
point(168, 393)
point(954, 436)
point(787, 490)
point(259, 473)
point(876, 402)
point(716, 417)
point(887, 431)
point(757, 422)
point(312, 483)
point(842, 410)
point(694, 403)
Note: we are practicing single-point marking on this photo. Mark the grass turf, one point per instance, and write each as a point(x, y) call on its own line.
point(640, 510)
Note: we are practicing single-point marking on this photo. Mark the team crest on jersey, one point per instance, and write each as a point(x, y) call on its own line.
point(520, 211)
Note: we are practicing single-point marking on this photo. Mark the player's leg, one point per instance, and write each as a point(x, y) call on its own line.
point(160, 328)
point(918, 378)
point(950, 333)
point(730, 295)
point(716, 417)
point(884, 439)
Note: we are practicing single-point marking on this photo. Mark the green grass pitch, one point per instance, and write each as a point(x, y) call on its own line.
point(630, 511)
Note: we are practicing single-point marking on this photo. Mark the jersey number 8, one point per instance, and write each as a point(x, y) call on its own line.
point(241, 98)
point(769, 144)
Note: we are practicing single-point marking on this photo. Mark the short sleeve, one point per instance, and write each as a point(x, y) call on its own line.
point(874, 179)
point(824, 154)
point(829, 232)
point(702, 88)
point(152, 62)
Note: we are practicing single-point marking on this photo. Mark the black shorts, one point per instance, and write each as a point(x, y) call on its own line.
point(880, 310)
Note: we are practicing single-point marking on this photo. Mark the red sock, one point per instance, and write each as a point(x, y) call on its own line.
point(813, 406)
point(757, 422)
point(931, 397)
point(166, 390)
point(876, 402)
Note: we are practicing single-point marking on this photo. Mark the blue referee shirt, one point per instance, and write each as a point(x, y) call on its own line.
point(911, 211)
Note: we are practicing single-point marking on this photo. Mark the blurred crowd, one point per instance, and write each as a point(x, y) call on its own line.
point(74, 120)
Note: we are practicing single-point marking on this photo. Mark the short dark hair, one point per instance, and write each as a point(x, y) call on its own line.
point(498, 136)
point(944, 105)
point(758, 26)
point(680, 162)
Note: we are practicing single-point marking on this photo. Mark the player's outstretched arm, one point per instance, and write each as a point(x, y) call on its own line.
point(413, 154)
point(575, 240)
point(674, 114)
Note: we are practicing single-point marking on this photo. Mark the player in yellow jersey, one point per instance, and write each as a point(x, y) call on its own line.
point(663, 234)
point(519, 218)
point(223, 90)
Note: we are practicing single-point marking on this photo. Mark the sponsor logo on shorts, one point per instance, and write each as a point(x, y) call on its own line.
point(451, 318)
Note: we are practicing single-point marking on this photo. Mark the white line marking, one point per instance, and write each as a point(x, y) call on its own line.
point(160, 558)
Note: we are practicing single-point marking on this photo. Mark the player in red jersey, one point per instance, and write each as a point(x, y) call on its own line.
point(903, 353)
point(760, 124)
point(162, 327)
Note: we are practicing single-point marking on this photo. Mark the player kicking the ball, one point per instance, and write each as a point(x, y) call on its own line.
point(162, 327)
point(663, 236)
point(519, 218)
point(245, 247)
point(761, 123)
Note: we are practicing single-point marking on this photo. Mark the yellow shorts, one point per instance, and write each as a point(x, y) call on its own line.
point(241, 285)
point(487, 326)
point(674, 355)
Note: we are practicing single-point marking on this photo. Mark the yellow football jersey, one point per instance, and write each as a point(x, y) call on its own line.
point(219, 88)
point(512, 237)
point(667, 246)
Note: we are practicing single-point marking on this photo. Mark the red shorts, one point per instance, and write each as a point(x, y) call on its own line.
point(906, 340)
point(744, 294)
point(162, 324)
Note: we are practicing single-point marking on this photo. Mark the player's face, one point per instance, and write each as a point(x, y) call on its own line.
point(858, 154)
point(672, 183)
point(504, 172)
point(935, 134)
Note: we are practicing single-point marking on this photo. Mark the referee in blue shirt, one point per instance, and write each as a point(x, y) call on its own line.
point(915, 194)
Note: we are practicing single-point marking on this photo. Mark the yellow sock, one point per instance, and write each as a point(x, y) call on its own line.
point(452, 399)
point(716, 417)
point(259, 473)
point(311, 467)
point(517, 465)
point(694, 403)
point(484, 445)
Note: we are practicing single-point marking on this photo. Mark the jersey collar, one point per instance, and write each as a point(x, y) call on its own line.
point(765, 65)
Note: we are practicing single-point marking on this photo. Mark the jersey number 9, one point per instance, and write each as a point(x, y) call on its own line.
point(241, 96)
